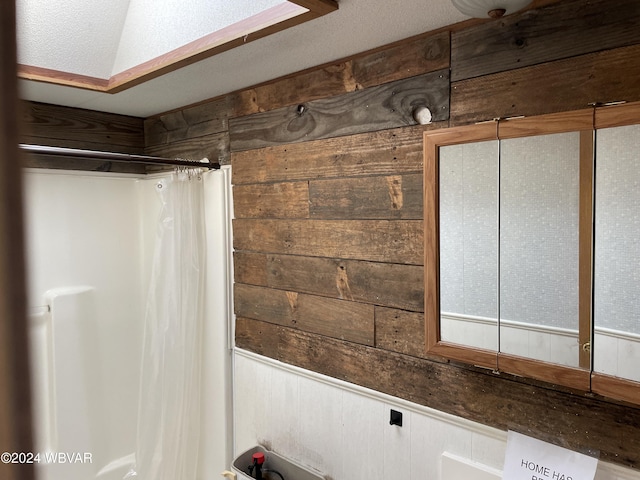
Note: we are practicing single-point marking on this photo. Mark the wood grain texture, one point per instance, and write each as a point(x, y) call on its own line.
point(562, 30)
point(57, 77)
point(382, 197)
point(408, 58)
point(320, 7)
point(557, 86)
point(551, 373)
point(400, 331)
point(272, 200)
point(387, 152)
point(376, 283)
point(197, 121)
point(377, 108)
point(397, 241)
point(617, 115)
point(61, 163)
point(571, 420)
point(585, 247)
point(615, 387)
point(326, 81)
point(215, 147)
point(324, 316)
point(59, 126)
point(574, 121)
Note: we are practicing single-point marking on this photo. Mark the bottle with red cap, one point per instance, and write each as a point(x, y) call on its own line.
point(258, 461)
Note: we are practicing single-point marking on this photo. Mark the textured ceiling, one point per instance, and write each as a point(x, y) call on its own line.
point(82, 32)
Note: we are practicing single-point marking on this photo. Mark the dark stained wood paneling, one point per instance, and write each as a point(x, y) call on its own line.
point(326, 81)
point(350, 321)
point(358, 250)
point(377, 108)
point(397, 241)
point(388, 197)
point(415, 56)
point(551, 87)
point(272, 200)
point(197, 121)
point(58, 126)
point(62, 163)
point(251, 268)
point(563, 30)
point(400, 331)
point(387, 152)
point(215, 147)
point(388, 284)
point(573, 421)
point(409, 58)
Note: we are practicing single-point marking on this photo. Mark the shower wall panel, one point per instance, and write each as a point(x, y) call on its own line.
point(84, 234)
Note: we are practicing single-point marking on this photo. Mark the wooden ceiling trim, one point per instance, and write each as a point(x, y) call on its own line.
point(318, 7)
point(67, 79)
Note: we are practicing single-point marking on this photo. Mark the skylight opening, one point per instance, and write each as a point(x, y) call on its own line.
point(111, 46)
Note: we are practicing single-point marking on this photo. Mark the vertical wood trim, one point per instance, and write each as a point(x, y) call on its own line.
point(431, 243)
point(15, 421)
point(585, 249)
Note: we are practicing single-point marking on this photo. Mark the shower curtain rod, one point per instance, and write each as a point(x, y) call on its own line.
point(113, 157)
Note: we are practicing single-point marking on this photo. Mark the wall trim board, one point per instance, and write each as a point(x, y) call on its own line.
point(607, 469)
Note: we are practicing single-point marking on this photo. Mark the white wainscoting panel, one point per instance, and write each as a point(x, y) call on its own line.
point(342, 430)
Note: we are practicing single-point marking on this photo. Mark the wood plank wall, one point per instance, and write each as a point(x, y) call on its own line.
point(58, 126)
point(328, 203)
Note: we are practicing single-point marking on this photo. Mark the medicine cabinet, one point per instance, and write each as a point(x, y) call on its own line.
point(532, 247)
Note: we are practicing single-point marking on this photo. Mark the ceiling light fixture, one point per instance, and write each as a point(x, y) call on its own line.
point(489, 8)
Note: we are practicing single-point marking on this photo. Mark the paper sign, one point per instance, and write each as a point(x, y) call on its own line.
point(529, 459)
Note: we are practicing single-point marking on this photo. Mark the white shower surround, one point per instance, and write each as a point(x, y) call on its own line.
point(90, 243)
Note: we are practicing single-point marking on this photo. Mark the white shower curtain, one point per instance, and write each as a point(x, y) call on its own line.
point(168, 413)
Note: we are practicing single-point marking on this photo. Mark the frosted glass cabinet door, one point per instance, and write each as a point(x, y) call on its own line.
point(468, 187)
point(617, 253)
point(538, 251)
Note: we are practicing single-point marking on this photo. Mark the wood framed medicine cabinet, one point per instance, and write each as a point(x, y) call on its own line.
point(531, 263)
